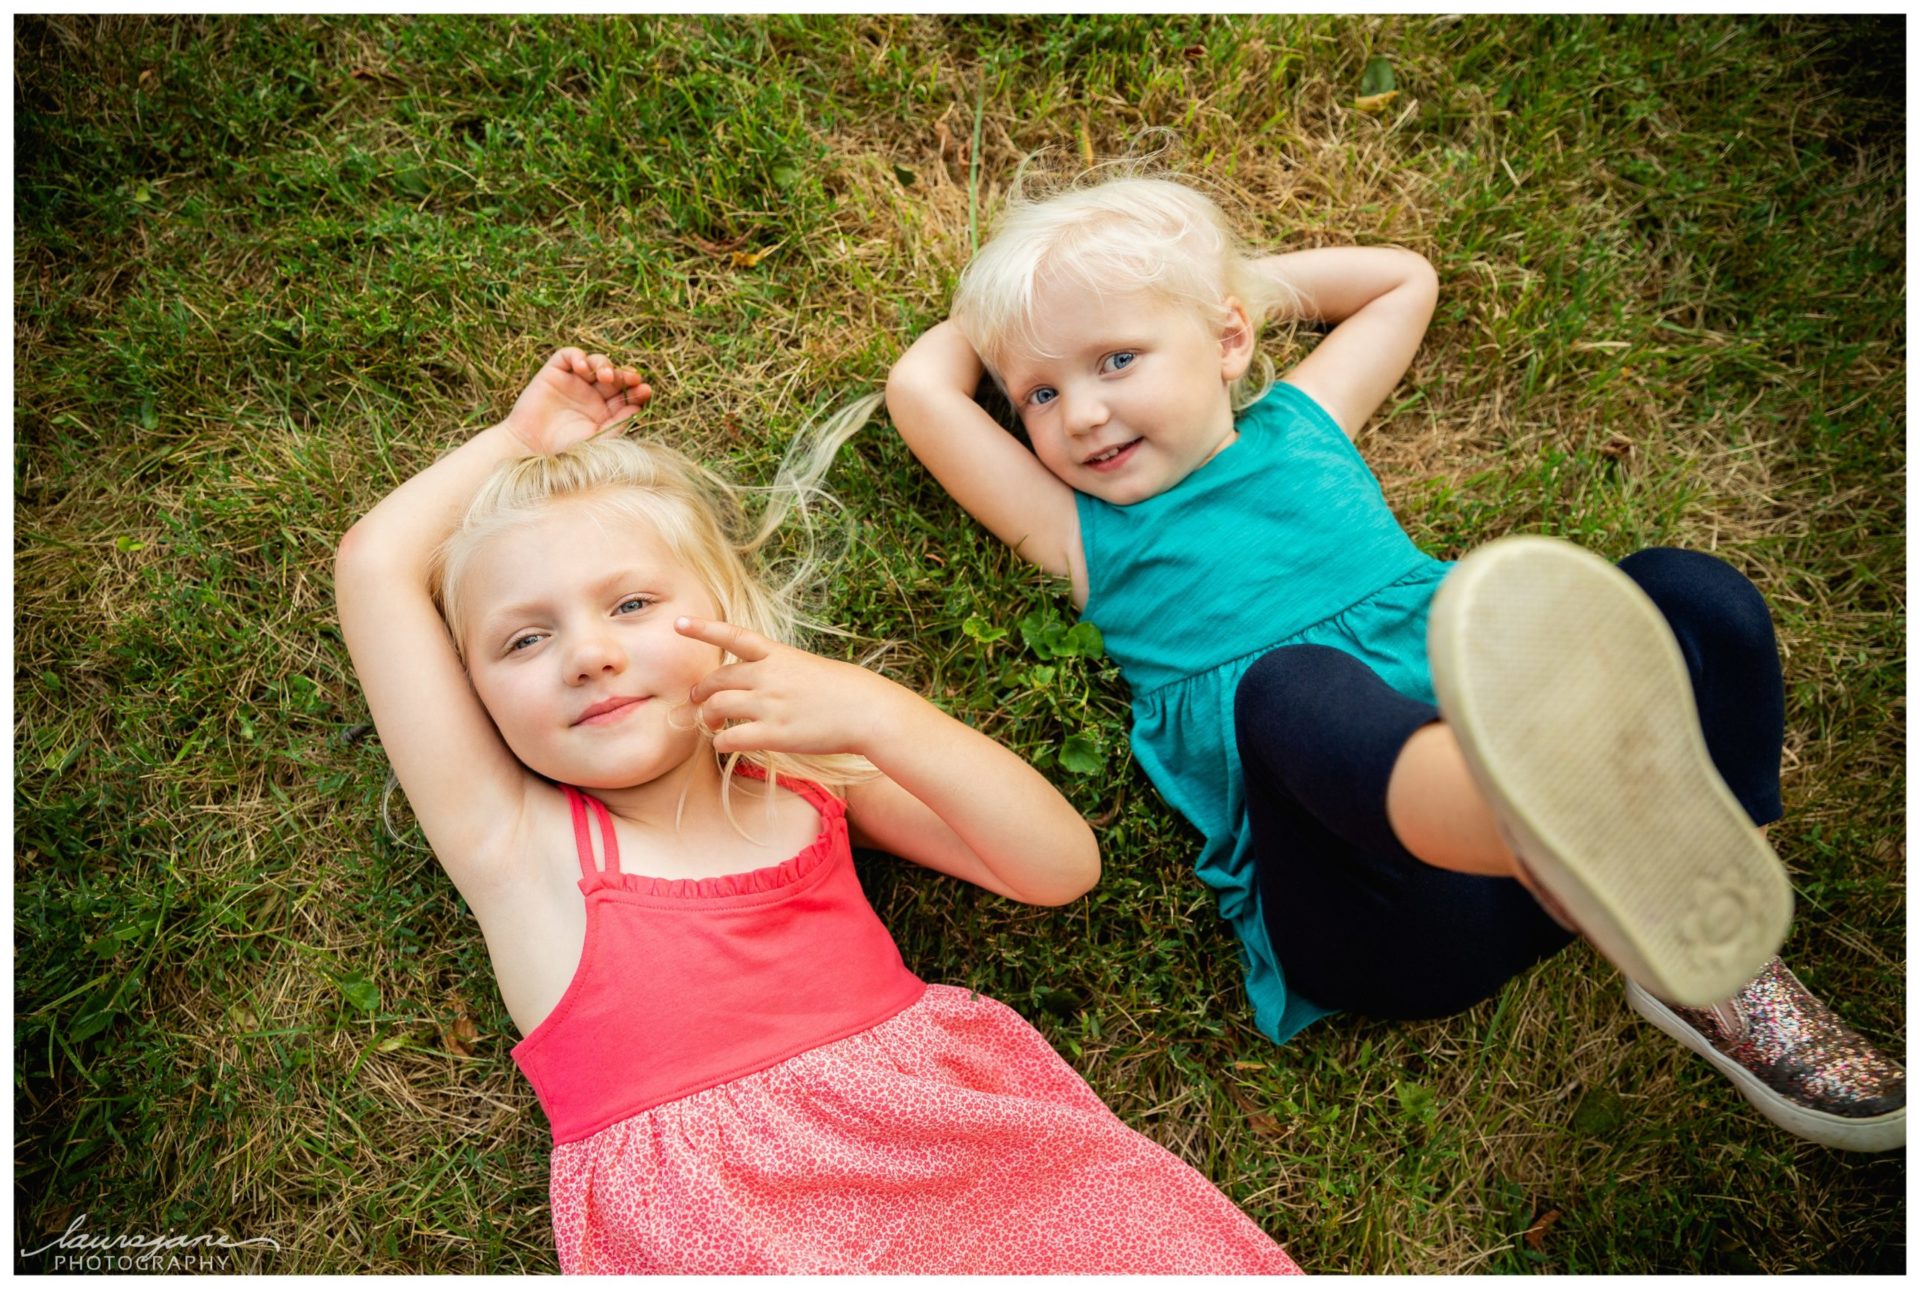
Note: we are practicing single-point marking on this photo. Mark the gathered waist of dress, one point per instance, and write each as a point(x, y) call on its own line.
point(684, 986)
point(1152, 667)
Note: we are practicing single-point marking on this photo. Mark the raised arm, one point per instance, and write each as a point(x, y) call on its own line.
point(985, 469)
point(948, 797)
point(1380, 300)
point(465, 787)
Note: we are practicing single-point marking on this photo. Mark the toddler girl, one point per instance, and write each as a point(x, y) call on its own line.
point(1412, 777)
point(646, 794)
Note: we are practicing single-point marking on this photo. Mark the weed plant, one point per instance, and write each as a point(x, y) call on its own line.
point(267, 268)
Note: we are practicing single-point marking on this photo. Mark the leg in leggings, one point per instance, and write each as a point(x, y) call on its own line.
point(1726, 635)
point(1358, 922)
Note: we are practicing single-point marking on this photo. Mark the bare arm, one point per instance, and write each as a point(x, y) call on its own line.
point(955, 801)
point(1380, 300)
point(985, 469)
point(949, 798)
point(464, 785)
point(414, 683)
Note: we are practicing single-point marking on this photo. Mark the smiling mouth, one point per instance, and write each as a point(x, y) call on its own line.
point(1112, 456)
point(608, 712)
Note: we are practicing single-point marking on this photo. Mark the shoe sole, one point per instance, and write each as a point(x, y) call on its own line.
point(1571, 702)
point(1882, 1132)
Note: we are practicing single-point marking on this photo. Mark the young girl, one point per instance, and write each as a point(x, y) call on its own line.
point(1374, 850)
point(646, 795)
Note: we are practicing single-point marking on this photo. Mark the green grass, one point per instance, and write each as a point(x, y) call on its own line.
point(267, 268)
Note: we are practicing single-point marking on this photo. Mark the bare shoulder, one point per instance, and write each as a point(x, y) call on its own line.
point(788, 821)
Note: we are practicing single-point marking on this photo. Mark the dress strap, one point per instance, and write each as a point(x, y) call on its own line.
point(815, 795)
point(578, 802)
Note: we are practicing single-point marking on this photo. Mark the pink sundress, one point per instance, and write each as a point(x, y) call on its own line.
point(744, 1077)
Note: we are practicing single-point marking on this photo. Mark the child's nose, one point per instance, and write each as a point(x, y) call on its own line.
point(1085, 412)
point(594, 654)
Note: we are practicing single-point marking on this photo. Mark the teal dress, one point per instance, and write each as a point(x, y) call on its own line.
point(1283, 538)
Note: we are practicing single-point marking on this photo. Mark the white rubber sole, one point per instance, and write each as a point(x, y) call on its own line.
point(1883, 1132)
point(1571, 702)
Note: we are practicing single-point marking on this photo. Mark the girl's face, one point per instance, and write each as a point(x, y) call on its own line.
point(571, 647)
point(1140, 396)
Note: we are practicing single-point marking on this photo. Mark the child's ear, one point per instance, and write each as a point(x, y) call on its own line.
point(1236, 342)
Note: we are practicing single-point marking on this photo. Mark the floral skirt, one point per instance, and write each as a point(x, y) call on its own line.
point(948, 1139)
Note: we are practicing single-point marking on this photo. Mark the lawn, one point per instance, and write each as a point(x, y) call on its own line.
point(266, 268)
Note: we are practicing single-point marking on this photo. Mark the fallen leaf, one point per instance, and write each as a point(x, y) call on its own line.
point(1374, 102)
point(718, 249)
point(747, 259)
point(460, 1037)
point(950, 142)
point(1537, 1233)
point(1264, 1124)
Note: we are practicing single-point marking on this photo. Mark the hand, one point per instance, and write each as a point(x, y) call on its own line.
point(782, 699)
point(574, 397)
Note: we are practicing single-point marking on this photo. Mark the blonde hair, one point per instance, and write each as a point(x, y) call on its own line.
point(1110, 235)
point(703, 520)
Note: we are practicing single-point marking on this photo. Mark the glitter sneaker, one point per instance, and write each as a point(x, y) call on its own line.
point(1572, 705)
point(1797, 1062)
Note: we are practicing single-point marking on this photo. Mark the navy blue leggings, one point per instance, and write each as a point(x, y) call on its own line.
point(1361, 925)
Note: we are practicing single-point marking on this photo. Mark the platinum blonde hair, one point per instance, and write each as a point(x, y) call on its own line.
point(1110, 236)
point(704, 520)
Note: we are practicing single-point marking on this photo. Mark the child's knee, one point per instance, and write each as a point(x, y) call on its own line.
point(1703, 596)
point(1287, 684)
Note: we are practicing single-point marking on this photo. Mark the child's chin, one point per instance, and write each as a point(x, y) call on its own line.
point(589, 775)
point(605, 779)
point(614, 773)
point(1125, 492)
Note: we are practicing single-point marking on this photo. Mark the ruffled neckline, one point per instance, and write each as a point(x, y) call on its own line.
point(755, 881)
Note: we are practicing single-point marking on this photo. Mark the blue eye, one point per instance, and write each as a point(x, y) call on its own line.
point(1120, 360)
point(633, 604)
point(1042, 396)
point(516, 646)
